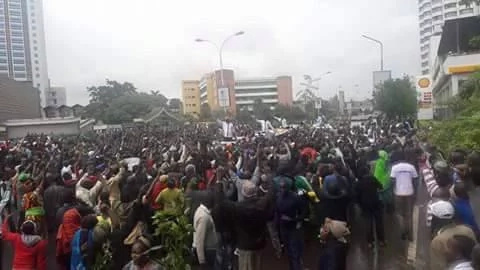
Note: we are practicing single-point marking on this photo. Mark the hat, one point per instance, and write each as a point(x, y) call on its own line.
point(23, 177)
point(248, 189)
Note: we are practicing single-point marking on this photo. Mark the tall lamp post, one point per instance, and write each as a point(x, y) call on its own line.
point(381, 49)
point(220, 49)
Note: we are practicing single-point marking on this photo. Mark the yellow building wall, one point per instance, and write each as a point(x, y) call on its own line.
point(191, 97)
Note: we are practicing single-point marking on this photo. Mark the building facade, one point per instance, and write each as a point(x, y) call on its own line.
point(191, 97)
point(56, 96)
point(235, 94)
point(18, 100)
point(271, 91)
point(216, 95)
point(22, 43)
point(432, 16)
point(455, 62)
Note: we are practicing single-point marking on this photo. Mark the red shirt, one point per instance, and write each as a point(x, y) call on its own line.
point(26, 257)
point(310, 152)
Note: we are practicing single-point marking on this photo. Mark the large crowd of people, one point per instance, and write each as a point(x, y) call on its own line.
point(241, 190)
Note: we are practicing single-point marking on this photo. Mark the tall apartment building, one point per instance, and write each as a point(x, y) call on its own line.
point(271, 91)
point(22, 43)
point(191, 97)
point(432, 15)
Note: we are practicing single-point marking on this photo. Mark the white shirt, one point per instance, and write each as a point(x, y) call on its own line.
point(227, 129)
point(404, 173)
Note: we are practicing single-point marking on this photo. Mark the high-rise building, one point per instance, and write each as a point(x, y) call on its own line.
point(191, 97)
point(432, 15)
point(22, 43)
point(216, 96)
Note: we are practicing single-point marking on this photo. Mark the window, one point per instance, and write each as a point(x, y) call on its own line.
point(17, 47)
point(19, 68)
point(20, 75)
point(466, 11)
point(18, 54)
point(450, 5)
point(33, 21)
point(3, 60)
point(17, 41)
point(425, 64)
point(450, 14)
point(34, 27)
point(36, 62)
point(37, 75)
point(3, 53)
point(437, 9)
point(2, 33)
point(37, 69)
point(3, 67)
point(15, 20)
point(35, 48)
point(19, 61)
point(16, 27)
point(34, 35)
point(437, 18)
point(38, 85)
point(3, 46)
point(36, 55)
point(15, 13)
point(54, 101)
point(34, 41)
point(16, 34)
point(436, 2)
point(53, 94)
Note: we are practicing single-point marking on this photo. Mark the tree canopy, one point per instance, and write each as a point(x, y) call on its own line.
point(116, 102)
point(463, 129)
point(396, 98)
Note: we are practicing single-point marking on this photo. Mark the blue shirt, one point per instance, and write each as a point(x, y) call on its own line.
point(464, 212)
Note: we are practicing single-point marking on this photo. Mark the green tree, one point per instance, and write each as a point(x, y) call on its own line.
point(124, 109)
point(397, 98)
point(474, 43)
point(261, 110)
point(205, 112)
point(244, 116)
point(112, 89)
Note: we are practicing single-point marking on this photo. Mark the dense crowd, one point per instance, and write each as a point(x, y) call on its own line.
point(96, 195)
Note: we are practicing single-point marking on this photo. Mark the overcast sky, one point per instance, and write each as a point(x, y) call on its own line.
point(151, 42)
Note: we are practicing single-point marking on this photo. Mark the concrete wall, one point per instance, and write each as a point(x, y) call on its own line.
point(284, 90)
point(18, 100)
point(55, 129)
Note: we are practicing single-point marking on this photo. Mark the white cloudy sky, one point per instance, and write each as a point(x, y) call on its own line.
point(151, 42)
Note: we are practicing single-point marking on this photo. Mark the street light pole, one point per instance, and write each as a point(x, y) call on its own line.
point(220, 50)
point(381, 49)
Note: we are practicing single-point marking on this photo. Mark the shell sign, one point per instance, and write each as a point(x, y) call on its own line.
point(424, 82)
point(424, 97)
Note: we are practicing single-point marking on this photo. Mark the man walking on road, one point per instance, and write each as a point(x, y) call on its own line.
point(404, 178)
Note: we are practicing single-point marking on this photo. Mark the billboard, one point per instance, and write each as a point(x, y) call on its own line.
point(379, 77)
point(223, 97)
point(423, 85)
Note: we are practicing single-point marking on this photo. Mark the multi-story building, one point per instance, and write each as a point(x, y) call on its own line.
point(18, 100)
point(271, 91)
point(218, 97)
point(56, 96)
point(456, 60)
point(22, 43)
point(432, 15)
point(241, 94)
point(191, 97)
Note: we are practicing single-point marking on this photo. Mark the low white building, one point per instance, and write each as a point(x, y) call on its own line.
point(455, 61)
point(48, 126)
